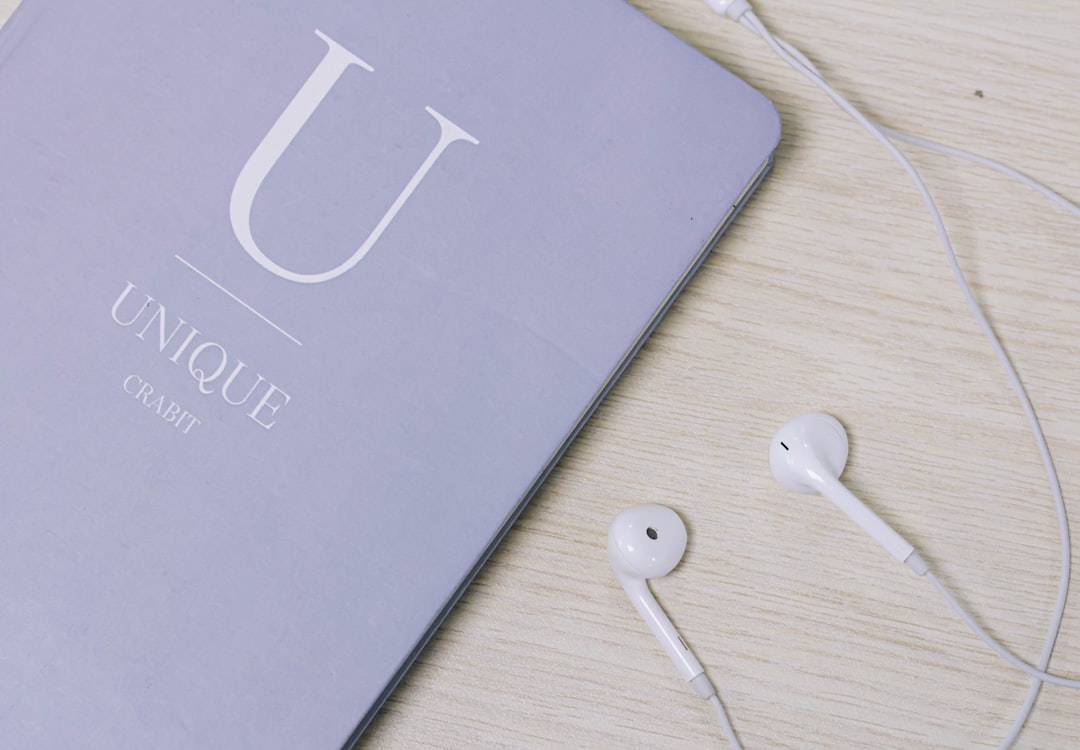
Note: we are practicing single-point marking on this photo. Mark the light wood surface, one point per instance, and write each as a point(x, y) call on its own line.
point(830, 293)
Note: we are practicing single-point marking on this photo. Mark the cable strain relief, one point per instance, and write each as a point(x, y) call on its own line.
point(917, 564)
point(733, 9)
point(703, 686)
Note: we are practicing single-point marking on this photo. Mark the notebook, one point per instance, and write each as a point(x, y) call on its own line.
point(301, 303)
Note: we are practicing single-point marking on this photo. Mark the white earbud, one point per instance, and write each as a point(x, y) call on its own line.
point(648, 541)
point(808, 455)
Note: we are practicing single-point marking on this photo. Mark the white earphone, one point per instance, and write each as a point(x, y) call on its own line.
point(806, 455)
point(648, 541)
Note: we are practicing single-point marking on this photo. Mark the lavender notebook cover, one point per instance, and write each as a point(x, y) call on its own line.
point(300, 302)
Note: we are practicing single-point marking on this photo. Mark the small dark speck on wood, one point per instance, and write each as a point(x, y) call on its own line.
point(979, 93)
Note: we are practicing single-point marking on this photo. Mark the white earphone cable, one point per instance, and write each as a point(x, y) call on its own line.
point(800, 63)
point(941, 148)
point(998, 649)
point(1004, 169)
point(725, 722)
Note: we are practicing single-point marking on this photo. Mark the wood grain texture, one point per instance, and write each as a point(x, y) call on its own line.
point(830, 293)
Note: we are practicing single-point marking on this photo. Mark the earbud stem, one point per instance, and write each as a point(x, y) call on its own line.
point(868, 521)
point(649, 609)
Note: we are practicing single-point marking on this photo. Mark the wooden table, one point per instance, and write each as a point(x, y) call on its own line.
point(829, 293)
